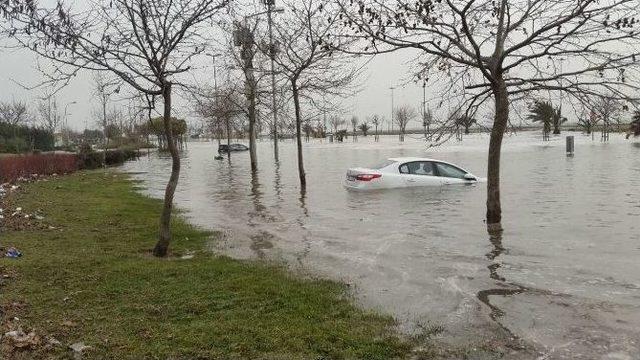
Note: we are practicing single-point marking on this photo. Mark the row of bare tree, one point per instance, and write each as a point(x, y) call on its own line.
point(479, 54)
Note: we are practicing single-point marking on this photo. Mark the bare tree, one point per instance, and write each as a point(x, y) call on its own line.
point(375, 120)
point(364, 127)
point(14, 113)
point(101, 90)
point(403, 115)
point(309, 65)
point(588, 121)
point(307, 128)
point(607, 109)
point(427, 120)
point(49, 113)
point(354, 127)
point(244, 37)
point(336, 123)
point(466, 121)
point(145, 43)
point(221, 108)
point(504, 50)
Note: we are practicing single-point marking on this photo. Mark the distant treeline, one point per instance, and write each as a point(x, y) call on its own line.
point(22, 138)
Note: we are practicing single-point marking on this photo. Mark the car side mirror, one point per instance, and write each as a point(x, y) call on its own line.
point(470, 177)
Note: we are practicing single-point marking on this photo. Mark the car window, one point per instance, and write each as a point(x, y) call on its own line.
point(418, 168)
point(450, 171)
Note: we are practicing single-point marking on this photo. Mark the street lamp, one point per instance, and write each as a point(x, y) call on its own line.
point(215, 76)
point(215, 92)
point(66, 120)
point(272, 53)
point(392, 107)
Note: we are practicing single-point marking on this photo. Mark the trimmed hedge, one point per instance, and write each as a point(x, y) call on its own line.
point(15, 167)
point(90, 159)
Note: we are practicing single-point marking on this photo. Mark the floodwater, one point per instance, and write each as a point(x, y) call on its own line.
point(563, 280)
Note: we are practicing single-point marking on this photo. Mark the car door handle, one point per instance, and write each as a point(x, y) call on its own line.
point(411, 180)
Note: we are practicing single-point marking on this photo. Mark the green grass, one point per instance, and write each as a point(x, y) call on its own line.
point(95, 271)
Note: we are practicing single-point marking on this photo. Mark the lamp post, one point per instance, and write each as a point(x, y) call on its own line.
point(215, 76)
point(66, 121)
point(424, 110)
point(272, 53)
point(392, 107)
point(215, 92)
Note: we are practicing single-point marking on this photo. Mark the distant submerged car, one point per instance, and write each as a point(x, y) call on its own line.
point(224, 148)
point(408, 172)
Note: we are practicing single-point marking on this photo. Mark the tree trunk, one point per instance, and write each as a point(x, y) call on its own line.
point(494, 210)
point(164, 239)
point(228, 126)
point(252, 122)
point(296, 102)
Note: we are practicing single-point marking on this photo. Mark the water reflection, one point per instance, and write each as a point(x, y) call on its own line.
point(277, 179)
point(303, 203)
point(505, 288)
point(256, 193)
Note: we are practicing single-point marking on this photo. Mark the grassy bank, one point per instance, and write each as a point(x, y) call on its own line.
point(91, 279)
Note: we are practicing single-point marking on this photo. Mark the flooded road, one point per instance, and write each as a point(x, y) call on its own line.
point(564, 277)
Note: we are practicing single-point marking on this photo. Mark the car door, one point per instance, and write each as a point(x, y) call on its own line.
point(419, 173)
point(450, 174)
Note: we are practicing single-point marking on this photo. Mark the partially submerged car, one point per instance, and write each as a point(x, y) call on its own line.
point(224, 148)
point(408, 172)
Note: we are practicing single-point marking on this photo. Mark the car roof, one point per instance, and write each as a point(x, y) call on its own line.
point(409, 159)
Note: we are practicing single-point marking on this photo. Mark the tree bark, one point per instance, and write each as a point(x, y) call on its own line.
point(252, 123)
point(162, 247)
point(250, 94)
point(494, 209)
point(228, 127)
point(296, 102)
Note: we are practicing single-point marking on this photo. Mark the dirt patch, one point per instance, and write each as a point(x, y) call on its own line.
point(14, 217)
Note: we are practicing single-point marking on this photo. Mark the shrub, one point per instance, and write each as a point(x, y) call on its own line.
point(90, 159)
point(340, 135)
point(14, 167)
point(17, 138)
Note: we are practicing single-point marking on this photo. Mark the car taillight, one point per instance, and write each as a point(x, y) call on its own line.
point(367, 177)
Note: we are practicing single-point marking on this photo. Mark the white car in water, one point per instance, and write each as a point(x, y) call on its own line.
point(408, 172)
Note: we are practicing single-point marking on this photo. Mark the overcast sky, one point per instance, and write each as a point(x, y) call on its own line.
point(19, 68)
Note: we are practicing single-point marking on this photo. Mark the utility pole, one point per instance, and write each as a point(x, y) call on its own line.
point(272, 53)
point(215, 94)
point(424, 110)
point(392, 107)
point(66, 122)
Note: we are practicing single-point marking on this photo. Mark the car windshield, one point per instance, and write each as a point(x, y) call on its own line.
point(382, 165)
